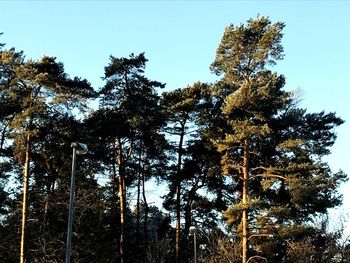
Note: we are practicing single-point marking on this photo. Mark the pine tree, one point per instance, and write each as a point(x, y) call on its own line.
point(260, 144)
point(130, 106)
point(36, 88)
point(180, 107)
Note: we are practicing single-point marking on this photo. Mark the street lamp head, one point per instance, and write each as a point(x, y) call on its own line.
point(192, 230)
point(80, 148)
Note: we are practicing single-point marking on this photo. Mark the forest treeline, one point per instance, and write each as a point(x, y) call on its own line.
point(238, 159)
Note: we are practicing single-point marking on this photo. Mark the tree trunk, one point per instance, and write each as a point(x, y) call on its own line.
point(188, 217)
point(188, 221)
point(50, 188)
point(2, 139)
point(24, 201)
point(114, 177)
point(114, 208)
point(122, 200)
point(145, 223)
point(122, 216)
point(178, 194)
point(178, 217)
point(138, 207)
point(245, 200)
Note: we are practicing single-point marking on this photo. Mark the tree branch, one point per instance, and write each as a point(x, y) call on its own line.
point(269, 175)
point(256, 257)
point(259, 167)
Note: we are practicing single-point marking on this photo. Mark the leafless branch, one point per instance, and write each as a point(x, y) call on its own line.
point(256, 257)
point(269, 175)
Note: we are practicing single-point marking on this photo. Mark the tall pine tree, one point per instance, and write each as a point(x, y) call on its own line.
point(37, 89)
point(130, 105)
point(276, 168)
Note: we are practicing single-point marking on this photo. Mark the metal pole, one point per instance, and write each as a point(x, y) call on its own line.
point(195, 247)
point(71, 207)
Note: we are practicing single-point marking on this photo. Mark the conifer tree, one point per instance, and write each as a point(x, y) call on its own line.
point(8, 109)
point(130, 109)
point(245, 126)
point(261, 147)
point(180, 107)
point(36, 88)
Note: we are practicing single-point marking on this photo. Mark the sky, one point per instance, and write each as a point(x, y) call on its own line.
point(180, 38)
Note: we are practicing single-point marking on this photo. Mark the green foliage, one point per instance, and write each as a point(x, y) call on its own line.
point(285, 171)
point(247, 49)
point(186, 138)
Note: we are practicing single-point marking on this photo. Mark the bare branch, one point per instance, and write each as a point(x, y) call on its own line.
point(269, 175)
point(256, 257)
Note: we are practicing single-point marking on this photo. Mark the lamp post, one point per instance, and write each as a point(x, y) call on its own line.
point(192, 232)
point(78, 149)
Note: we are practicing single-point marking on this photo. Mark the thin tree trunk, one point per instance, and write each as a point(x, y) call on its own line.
point(188, 206)
point(178, 184)
point(188, 221)
point(245, 201)
point(114, 208)
point(178, 194)
point(2, 140)
point(24, 201)
point(122, 200)
point(114, 176)
point(50, 187)
point(145, 223)
point(138, 199)
point(188, 216)
point(122, 217)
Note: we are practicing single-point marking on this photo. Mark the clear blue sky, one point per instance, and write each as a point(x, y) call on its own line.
point(180, 38)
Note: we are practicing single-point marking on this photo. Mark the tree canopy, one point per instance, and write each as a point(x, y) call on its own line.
point(238, 159)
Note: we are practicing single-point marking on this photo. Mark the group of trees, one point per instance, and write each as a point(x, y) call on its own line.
point(239, 151)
